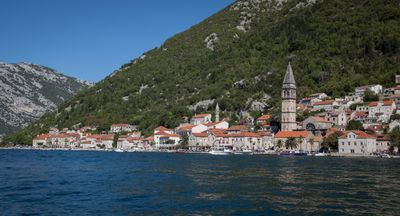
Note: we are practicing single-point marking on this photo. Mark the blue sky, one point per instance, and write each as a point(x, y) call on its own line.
point(89, 39)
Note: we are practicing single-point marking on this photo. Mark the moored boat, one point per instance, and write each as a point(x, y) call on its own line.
point(247, 152)
point(220, 151)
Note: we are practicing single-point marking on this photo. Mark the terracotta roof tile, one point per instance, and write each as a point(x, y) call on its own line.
point(263, 117)
point(201, 115)
point(120, 125)
point(327, 102)
point(200, 134)
point(320, 119)
point(287, 134)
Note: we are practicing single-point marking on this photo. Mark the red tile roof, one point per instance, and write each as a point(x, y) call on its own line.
point(237, 128)
point(360, 134)
point(216, 131)
point(320, 119)
point(120, 125)
point(373, 104)
point(162, 128)
point(263, 117)
point(164, 134)
point(327, 102)
point(361, 113)
point(287, 134)
point(388, 103)
point(245, 134)
point(200, 134)
point(42, 136)
point(187, 127)
point(201, 115)
point(210, 124)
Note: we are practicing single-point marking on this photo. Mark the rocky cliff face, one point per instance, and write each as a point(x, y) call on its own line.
point(28, 91)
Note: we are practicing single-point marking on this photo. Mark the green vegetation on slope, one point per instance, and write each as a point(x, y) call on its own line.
point(333, 46)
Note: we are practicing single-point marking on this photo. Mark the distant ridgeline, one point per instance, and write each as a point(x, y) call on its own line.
point(28, 91)
point(237, 58)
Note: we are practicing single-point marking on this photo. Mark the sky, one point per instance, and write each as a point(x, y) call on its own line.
point(89, 39)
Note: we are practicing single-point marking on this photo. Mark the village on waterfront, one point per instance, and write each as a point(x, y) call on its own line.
point(363, 123)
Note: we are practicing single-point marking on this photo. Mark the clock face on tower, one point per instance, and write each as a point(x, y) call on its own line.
point(310, 127)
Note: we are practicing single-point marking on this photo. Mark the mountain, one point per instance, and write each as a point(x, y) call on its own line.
point(238, 57)
point(28, 91)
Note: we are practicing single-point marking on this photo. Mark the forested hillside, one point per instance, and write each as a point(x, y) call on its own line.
point(238, 58)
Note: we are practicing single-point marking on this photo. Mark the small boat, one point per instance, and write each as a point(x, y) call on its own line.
point(220, 151)
point(285, 153)
point(385, 155)
point(300, 153)
point(181, 152)
point(247, 152)
point(119, 150)
point(217, 152)
point(320, 154)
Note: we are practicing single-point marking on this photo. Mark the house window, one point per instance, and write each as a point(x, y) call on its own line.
point(351, 150)
point(342, 150)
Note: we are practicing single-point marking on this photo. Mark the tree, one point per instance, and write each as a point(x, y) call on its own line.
point(354, 125)
point(185, 142)
point(331, 141)
point(370, 96)
point(394, 137)
point(116, 137)
point(170, 142)
point(291, 143)
point(279, 144)
point(355, 105)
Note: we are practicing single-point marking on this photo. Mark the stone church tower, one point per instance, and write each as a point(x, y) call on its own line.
point(288, 122)
point(217, 113)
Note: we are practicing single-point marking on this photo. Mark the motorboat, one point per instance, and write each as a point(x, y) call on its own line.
point(320, 154)
point(119, 150)
point(220, 151)
point(293, 153)
point(247, 152)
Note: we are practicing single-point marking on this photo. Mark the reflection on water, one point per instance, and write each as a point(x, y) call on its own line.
point(54, 183)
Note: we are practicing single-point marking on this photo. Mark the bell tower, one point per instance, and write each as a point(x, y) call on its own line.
point(217, 113)
point(288, 121)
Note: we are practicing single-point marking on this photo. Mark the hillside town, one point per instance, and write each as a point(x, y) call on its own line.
point(357, 124)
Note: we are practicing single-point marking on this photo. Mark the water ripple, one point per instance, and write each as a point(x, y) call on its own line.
point(107, 183)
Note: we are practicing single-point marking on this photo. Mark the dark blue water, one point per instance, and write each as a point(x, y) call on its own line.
point(107, 183)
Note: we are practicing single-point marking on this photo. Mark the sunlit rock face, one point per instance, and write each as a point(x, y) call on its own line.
point(28, 91)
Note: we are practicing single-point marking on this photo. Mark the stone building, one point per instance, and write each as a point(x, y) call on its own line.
point(289, 101)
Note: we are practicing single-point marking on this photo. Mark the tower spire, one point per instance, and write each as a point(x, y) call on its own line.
point(289, 77)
